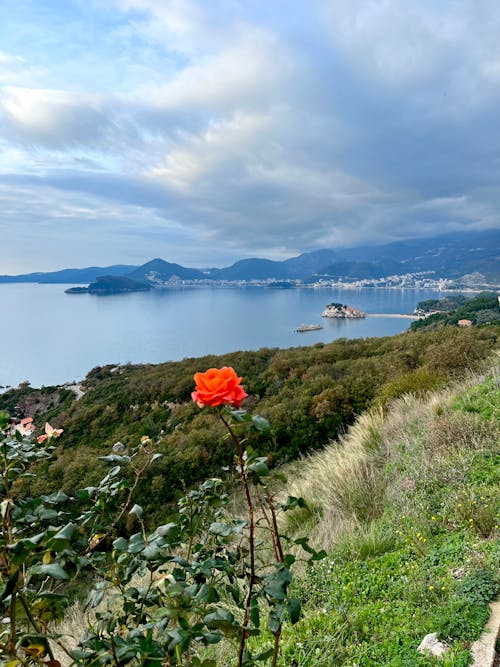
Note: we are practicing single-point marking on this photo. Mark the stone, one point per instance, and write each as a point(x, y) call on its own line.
point(431, 645)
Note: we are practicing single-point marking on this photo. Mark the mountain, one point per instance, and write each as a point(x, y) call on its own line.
point(448, 256)
point(358, 269)
point(86, 275)
point(311, 262)
point(160, 271)
point(252, 269)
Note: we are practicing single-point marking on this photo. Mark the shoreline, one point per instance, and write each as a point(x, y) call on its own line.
point(397, 315)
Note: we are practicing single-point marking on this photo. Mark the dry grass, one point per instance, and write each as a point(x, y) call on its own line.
point(71, 630)
point(342, 485)
point(419, 441)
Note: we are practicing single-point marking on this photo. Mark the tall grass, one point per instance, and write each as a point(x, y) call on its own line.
point(387, 457)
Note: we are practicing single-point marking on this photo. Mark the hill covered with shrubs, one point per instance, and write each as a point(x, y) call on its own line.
point(479, 310)
point(309, 394)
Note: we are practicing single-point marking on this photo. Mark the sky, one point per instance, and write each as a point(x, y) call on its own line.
point(206, 131)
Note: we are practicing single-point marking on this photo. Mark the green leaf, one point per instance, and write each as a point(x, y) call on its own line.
point(179, 637)
point(120, 544)
point(254, 613)
point(222, 620)
point(277, 583)
point(95, 597)
point(293, 608)
point(151, 551)
point(47, 514)
point(276, 616)
point(137, 510)
point(65, 533)
point(292, 503)
point(239, 415)
point(223, 529)
point(57, 497)
point(114, 458)
point(261, 424)
point(259, 467)
point(53, 570)
point(207, 594)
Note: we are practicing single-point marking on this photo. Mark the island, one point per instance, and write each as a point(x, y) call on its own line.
point(342, 311)
point(111, 285)
point(308, 327)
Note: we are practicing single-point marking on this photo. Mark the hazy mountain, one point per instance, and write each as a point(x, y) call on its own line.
point(311, 262)
point(252, 269)
point(359, 269)
point(449, 256)
point(86, 275)
point(158, 270)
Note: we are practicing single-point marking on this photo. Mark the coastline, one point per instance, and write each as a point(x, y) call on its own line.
point(397, 315)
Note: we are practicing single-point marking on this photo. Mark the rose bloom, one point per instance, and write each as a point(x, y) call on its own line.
point(218, 386)
point(49, 433)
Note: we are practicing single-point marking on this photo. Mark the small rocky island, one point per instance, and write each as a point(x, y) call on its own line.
point(111, 285)
point(342, 311)
point(308, 327)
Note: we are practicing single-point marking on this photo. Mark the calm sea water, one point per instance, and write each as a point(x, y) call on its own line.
point(49, 337)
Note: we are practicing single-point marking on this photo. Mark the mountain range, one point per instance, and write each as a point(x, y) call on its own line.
point(448, 256)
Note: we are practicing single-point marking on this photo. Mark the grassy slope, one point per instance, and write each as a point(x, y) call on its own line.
point(408, 508)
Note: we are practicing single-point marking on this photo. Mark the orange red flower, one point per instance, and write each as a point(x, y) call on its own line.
point(49, 433)
point(218, 386)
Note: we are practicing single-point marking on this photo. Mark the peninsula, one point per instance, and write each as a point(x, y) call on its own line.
point(111, 285)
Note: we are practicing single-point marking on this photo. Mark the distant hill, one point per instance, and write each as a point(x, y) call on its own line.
point(479, 310)
point(359, 269)
point(252, 269)
point(160, 271)
point(86, 275)
point(448, 256)
point(104, 285)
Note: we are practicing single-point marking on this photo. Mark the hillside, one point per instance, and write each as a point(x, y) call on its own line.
point(309, 394)
point(407, 505)
point(478, 310)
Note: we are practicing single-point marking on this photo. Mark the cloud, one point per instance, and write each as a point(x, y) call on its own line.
point(250, 128)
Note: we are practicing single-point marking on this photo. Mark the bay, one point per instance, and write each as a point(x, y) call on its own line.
point(49, 337)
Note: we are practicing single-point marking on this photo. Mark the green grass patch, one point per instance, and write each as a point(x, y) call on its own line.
point(483, 399)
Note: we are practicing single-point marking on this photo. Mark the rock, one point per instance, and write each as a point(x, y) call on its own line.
point(431, 645)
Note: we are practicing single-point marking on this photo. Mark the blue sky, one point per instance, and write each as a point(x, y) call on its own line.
point(204, 132)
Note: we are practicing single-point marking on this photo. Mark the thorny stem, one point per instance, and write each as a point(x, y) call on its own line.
point(278, 547)
point(276, 648)
point(138, 475)
point(251, 537)
point(278, 550)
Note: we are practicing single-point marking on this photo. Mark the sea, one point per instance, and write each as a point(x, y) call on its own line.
point(48, 337)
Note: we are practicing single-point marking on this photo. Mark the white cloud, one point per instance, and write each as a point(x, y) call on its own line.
point(297, 124)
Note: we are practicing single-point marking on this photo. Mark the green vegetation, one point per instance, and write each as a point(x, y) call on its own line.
point(404, 504)
point(480, 310)
point(417, 551)
point(309, 395)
